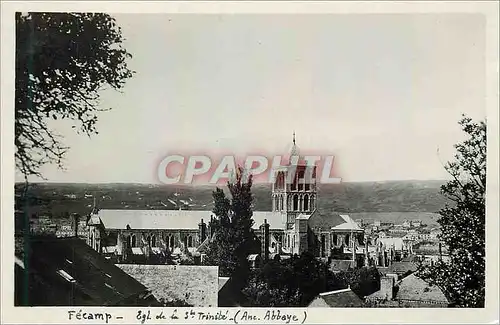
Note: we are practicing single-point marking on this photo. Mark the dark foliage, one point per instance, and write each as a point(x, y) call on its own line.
point(233, 238)
point(63, 62)
point(463, 224)
point(297, 281)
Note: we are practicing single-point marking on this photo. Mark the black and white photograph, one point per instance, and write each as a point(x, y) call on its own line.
point(168, 161)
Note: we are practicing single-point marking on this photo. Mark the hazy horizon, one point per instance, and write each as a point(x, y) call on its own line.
point(255, 183)
point(383, 92)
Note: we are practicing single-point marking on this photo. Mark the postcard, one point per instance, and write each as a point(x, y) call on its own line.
point(249, 162)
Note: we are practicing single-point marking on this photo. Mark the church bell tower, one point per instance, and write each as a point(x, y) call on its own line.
point(294, 187)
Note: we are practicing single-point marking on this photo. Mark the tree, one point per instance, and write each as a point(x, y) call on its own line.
point(363, 281)
point(295, 282)
point(463, 224)
point(63, 62)
point(233, 238)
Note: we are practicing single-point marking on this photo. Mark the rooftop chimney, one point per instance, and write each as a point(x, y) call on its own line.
point(384, 254)
point(202, 228)
point(265, 241)
point(75, 221)
point(367, 258)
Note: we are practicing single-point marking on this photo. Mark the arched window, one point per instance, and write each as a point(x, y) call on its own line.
point(281, 203)
point(190, 241)
point(133, 241)
point(282, 180)
point(346, 241)
point(311, 201)
point(306, 203)
point(335, 239)
point(323, 245)
point(276, 203)
point(172, 241)
point(153, 241)
point(295, 202)
point(129, 242)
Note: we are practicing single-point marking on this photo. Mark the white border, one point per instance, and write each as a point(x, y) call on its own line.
point(52, 315)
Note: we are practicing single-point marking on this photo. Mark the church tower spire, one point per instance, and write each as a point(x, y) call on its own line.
point(294, 190)
point(294, 150)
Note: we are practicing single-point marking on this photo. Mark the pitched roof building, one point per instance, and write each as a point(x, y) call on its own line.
point(67, 272)
point(410, 291)
point(196, 285)
point(343, 298)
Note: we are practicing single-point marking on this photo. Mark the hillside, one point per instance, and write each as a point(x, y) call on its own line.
point(59, 200)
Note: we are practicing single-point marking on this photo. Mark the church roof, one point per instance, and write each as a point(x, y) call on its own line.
point(331, 220)
point(174, 219)
point(348, 224)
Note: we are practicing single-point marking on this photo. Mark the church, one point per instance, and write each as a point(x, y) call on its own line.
point(293, 225)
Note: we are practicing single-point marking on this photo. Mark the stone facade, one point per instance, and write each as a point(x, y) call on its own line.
point(293, 226)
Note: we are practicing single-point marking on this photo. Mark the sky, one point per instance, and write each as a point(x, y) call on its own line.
point(383, 93)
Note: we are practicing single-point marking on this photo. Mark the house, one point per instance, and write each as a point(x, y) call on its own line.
point(434, 234)
point(416, 223)
point(67, 272)
point(343, 298)
point(410, 291)
point(254, 261)
point(402, 268)
point(197, 285)
point(415, 292)
point(397, 243)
